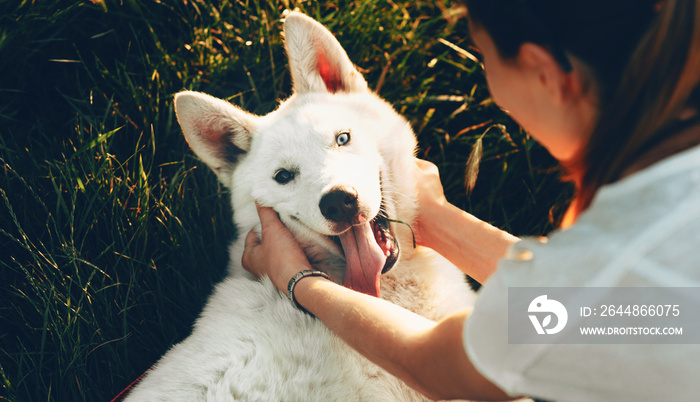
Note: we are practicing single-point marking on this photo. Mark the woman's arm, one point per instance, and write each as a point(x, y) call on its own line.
point(429, 356)
point(471, 244)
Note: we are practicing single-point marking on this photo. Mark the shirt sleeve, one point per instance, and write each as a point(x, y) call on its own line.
point(485, 335)
point(513, 367)
point(572, 372)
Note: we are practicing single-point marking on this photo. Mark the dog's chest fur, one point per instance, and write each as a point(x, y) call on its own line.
point(251, 344)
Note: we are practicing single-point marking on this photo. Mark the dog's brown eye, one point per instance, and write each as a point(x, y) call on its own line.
point(342, 138)
point(283, 176)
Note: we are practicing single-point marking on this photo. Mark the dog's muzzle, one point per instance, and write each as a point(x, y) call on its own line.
point(370, 247)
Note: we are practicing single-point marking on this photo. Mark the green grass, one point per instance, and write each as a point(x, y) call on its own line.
point(112, 233)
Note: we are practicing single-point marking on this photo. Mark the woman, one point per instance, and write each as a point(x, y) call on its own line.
point(611, 90)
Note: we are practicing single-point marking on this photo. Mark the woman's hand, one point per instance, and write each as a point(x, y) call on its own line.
point(431, 197)
point(277, 255)
point(473, 246)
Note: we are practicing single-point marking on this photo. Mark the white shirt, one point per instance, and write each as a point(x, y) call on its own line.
point(641, 231)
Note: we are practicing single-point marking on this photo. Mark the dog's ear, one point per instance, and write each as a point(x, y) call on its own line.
point(317, 61)
point(217, 131)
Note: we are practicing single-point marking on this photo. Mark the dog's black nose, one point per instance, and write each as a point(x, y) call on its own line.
point(340, 205)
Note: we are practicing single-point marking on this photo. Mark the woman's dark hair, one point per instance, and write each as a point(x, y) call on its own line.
point(644, 57)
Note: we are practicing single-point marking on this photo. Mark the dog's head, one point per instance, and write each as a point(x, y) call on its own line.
point(334, 160)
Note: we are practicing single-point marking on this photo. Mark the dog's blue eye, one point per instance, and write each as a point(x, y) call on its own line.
point(283, 176)
point(342, 138)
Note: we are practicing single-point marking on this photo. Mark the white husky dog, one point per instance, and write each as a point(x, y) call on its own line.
point(335, 161)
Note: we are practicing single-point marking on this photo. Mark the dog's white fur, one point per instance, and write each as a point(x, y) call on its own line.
point(250, 343)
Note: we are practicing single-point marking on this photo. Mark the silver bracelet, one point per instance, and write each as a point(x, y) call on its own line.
point(296, 278)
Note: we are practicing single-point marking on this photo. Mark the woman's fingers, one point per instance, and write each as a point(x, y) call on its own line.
point(249, 259)
point(431, 198)
point(268, 217)
point(276, 253)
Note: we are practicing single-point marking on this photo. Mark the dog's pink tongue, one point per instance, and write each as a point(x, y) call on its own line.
point(364, 258)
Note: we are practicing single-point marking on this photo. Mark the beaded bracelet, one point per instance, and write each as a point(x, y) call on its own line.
point(296, 278)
